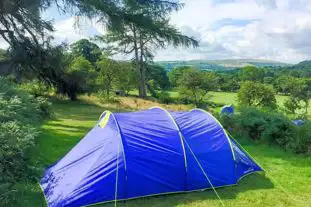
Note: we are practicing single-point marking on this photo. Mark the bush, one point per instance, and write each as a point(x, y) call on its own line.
point(164, 97)
point(37, 88)
point(271, 127)
point(257, 95)
point(20, 115)
point(104, 98)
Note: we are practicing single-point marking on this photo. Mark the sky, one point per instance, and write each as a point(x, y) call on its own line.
point(226, 29)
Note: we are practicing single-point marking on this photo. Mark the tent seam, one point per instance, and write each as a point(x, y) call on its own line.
point(227, 136)
point(179, 133)
point(120, 134)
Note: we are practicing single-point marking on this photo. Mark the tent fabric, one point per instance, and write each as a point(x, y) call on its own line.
point(227, 109)
point(151, 152)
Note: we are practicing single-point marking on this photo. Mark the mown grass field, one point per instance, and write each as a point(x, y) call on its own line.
point(72, 120)
point(231, 98)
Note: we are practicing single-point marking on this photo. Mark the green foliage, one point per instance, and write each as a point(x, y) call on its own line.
point(37, 88)
point(79, 76)
point(104, 98)
point(159, 75)
point(164, 97)
point(108, 73)
point(270, 126)
point(251, 73)
point(300, 94)
point(90, 51)
point(256, 94)
point(126, 77)
point(194, 84)
point(141, 42)
point(3, 55)
point(176, 73)
point(20, 115)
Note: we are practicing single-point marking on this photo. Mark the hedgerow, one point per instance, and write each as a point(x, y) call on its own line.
point(20, 117)
point(271, 127)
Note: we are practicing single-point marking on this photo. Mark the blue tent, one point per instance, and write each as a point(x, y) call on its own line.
point(299, 122)
point(151, 152)
point(227, 109)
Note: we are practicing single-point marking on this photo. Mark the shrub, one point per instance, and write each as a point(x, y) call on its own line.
point(271, 127)
point(164, 97)
point(37, 88)
point(20, 115)
point(104, 98)
point(257, 95)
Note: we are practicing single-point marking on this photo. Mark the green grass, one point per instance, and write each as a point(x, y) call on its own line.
point(72, 120)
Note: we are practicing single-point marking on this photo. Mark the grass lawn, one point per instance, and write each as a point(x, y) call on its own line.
point(231, 98)
point(72, 120)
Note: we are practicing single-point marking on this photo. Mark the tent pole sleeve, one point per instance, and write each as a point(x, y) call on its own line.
point(180, 135)
point(121, 139)
point(117, 178)
point(227, 136)
point(199, 164)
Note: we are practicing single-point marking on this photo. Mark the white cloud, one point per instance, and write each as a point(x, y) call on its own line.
point(67, 31)
point(3, 44)
point(270, 29)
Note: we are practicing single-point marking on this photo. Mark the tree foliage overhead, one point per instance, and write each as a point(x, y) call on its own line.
point(22, 27)
point(20, 21)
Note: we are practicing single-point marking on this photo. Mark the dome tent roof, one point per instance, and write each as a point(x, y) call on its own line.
point(150, 152)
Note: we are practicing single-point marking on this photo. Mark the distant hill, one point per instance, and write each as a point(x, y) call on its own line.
point(227, 64)
point(302, 65)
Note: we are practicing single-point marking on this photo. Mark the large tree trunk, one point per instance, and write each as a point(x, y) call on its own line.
point(139, 65)
point(142, 69)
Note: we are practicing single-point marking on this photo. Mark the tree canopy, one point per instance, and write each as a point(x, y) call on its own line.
point(89, 50)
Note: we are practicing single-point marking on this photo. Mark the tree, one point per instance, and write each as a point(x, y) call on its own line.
point(256, 94)
point(157, 78)
point(300, 94)
point(126, 78)
point(251, 73)
point(194, 85)
point(78, 77)
point(20, 20)
point(142, 41)
point(108, 73)
point(227, 82)
point(284, 83)
point(22, 27)
point(90, 51)
point(175, 74)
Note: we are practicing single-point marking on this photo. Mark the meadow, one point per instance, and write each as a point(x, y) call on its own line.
point(72, 120)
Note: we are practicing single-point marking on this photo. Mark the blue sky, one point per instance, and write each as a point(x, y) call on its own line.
point(262, 29)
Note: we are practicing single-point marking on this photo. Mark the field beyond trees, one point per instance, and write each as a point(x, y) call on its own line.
point(72, 120)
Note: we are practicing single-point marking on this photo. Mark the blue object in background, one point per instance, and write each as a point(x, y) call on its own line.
point(298, 122)
point(151, 152)
point(227, 109)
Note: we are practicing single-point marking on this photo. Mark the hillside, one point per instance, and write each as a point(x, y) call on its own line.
point(227, 64)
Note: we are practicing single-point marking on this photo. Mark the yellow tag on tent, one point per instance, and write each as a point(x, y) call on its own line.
point(104, 120)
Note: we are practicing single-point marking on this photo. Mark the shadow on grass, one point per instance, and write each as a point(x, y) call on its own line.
point(251, 182)
point(83, 110)
point(32, 196)
point(275, 154)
